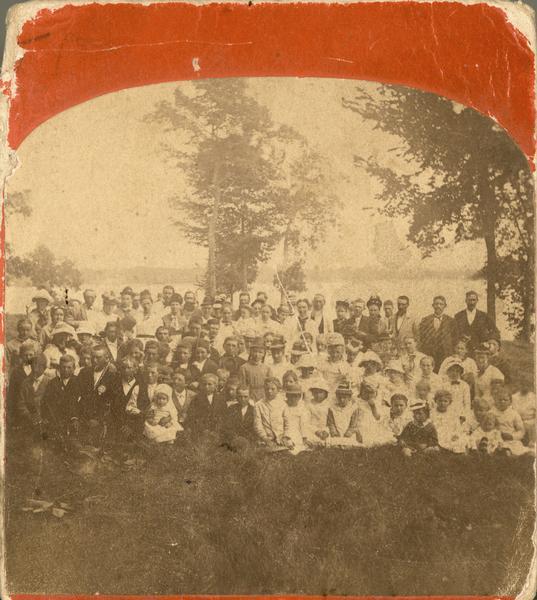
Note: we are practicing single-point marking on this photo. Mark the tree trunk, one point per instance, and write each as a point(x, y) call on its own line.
point(244, 264)
point(490, 242)
point(286, 252)
point(528, 299)
point(211, 267)
point(213, 219)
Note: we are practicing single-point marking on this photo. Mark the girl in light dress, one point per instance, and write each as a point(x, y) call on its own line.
point(372, 418)
point(268, 415)
point(460, 355)
point(525, 402)
point(343, 419)
point(318, 407)
point(395, 420)
point(161, 422)
point(486, 438)
point(296, 420)
point(447, 422)
point(510, 425)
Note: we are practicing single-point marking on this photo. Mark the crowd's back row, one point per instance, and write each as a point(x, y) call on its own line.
point(287, 378)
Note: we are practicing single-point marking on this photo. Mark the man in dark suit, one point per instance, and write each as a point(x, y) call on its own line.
point(239, 420)
point(207, 410)
point(18, 374)
point(174, 320)
point(358, 320)
point(475, 324)
point(201, 363)
point(437, 333)
point(98, 384)
point(231, 360)
point(60, 407)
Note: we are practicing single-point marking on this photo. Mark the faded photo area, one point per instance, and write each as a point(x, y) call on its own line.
point(270, 336)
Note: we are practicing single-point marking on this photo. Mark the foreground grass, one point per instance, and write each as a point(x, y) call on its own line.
point(214, 521)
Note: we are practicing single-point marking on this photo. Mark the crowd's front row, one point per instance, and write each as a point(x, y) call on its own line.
point(314, 404)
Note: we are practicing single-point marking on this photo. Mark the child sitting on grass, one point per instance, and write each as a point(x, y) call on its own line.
point(428, 374)
point(230, 391)
point(343, 418)
point(372, 430)
point(510, 425)
point(423, 393)
point(306, 367)
point(420, 434)
point(399, 415)
point(161, 424)
point(447, 423)
point(524, 402)
point(268, 415)
point(296, 421)
point(289, 378)
point(318, 408)
point(223, 375)
point(371, 365)
point(460, 390)
point(486, 438)
point(480, 407)
point(396, 381)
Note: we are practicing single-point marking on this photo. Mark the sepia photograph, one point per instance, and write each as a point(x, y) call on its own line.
point(270, 335)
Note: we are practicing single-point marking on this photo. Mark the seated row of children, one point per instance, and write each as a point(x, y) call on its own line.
point(288, 419)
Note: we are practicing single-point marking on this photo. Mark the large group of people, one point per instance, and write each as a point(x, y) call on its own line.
point(137, 369)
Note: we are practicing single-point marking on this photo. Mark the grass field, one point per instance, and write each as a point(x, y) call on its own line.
point(210, 520)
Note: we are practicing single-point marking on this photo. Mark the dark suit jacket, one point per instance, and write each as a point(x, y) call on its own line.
point(181, 324)
point(440, 342)
point(182, 411)
point(96, 399)
point(29, 401)
point(60, 404)
point(203, 416)
point(231, 363)
point(16, 378)
point(238, 425)
point(482, 329)
point(209, 367)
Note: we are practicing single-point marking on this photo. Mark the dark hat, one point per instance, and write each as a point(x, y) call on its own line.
point(344, 389)
point(127, 290)
point(342, 304)
point(207, 301)
point(482, 349)
point(203, 344)
point(109, 298)
point(374, 300)
point(298, 349)
point(127, 322)
point(176, 298)
point(293, 389)
point(257, 342)
point(278, 343)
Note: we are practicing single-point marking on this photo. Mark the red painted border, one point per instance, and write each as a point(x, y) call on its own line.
point(79, 52)
point(76, 53)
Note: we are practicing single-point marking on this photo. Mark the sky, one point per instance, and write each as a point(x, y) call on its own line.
point(99, 185)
